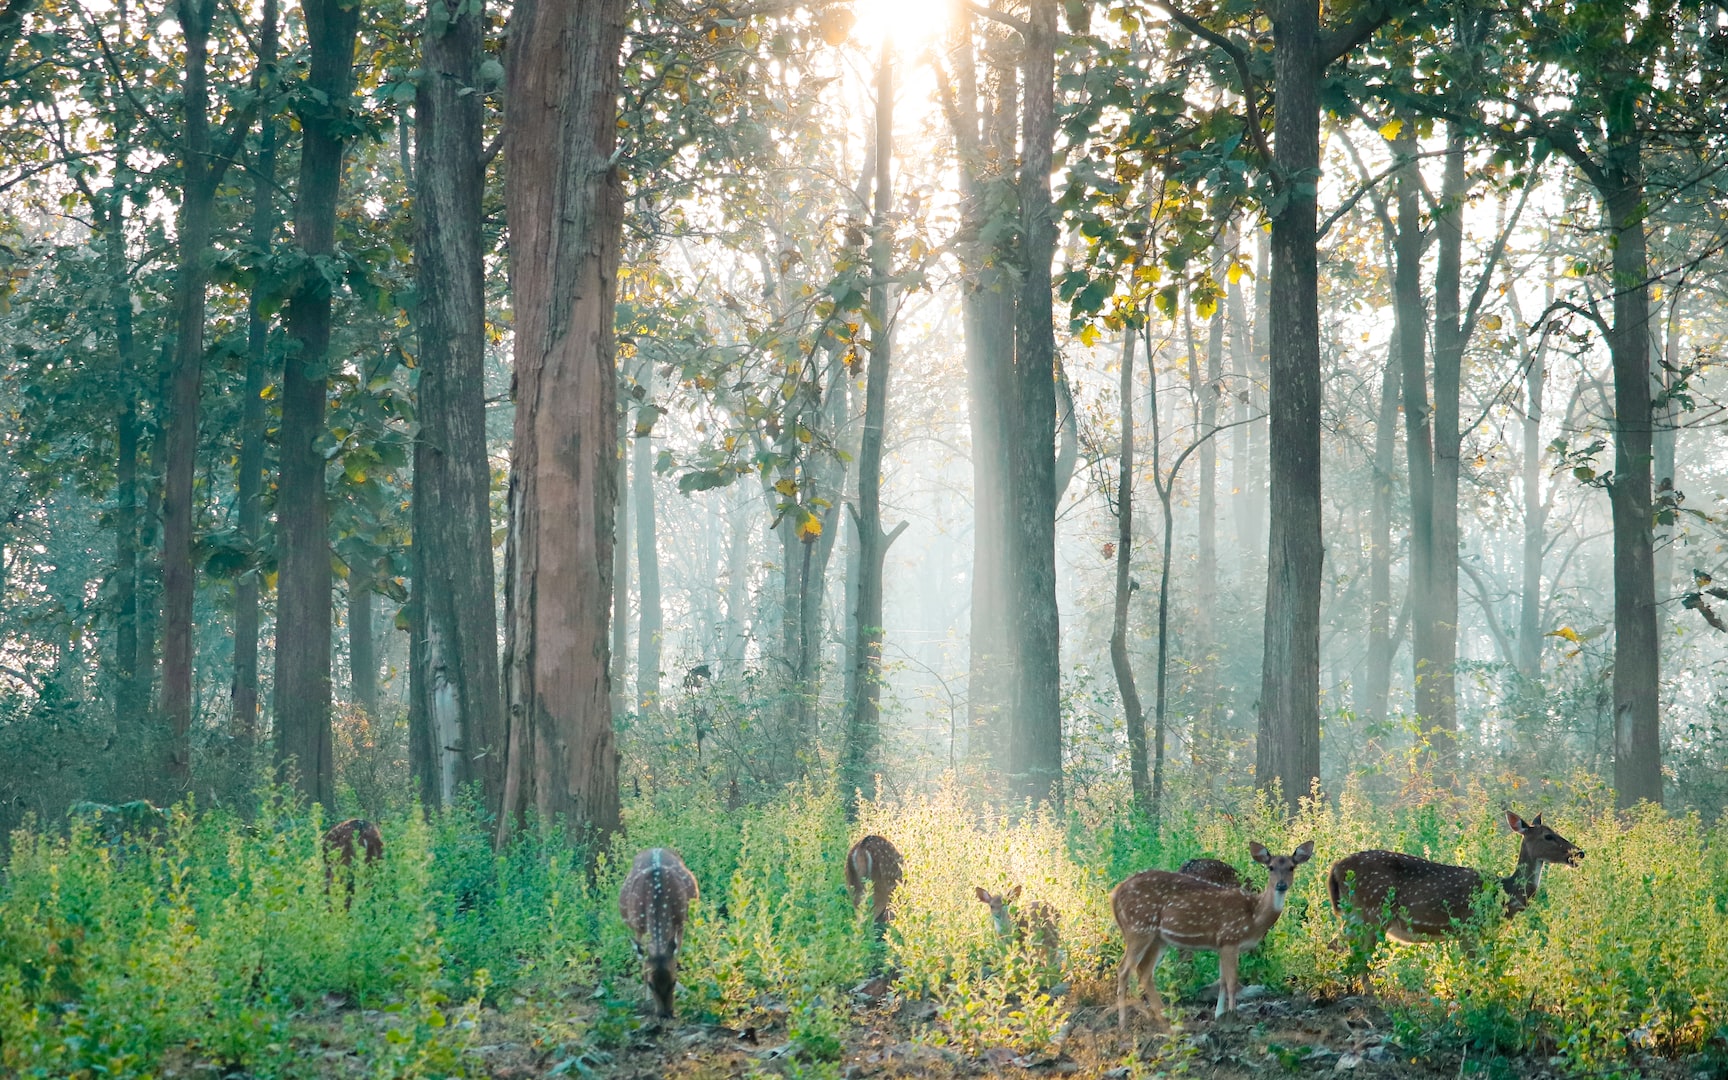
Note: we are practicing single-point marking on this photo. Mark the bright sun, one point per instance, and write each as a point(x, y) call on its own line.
point(909, 24)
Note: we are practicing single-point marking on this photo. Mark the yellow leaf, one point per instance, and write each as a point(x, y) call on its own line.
point(809, 528)
point(1089, 335)
point(1206, 308)
point(1234, 274)
point(1568, 633)
point(1492, 322)
point(1391, 129)
point(787, 487)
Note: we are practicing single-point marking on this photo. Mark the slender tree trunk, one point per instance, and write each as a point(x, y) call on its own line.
point(1260, 367)
point(455, 699)
point(1241, 392)
point(1207, 589)
point(1038, 687)
point(1381, 644)
point(1535, 530)
point(863, 722)
point(1665, 437)
point(128, 695)
point(1133, 714)
point(1449, 342)
point(1637, 688)
point(197, 209)
point(248, 587)
point(621, 704)
point(649, 623)
point(738, 584)
point(362, 643)
point(303, 514)
point(1287, 752)
point(566, 212)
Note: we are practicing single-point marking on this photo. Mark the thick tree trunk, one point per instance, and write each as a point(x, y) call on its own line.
point(649, 624)
point(1287, 752)
point(197, 209)
point(863, 721)
point(1637, 716)
point(566, 212)
point(1449, 342)
point(455, 700)
point(303, 514)
point(1037, 770)
point(248, 587)
point(1381, 644)
point(1133, 713)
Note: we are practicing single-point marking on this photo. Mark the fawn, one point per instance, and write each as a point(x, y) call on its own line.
point(876, 862)
point(654, 900)
point(1036, 922)
point(339, 847)
point(1412, 899)
point(1157, 909)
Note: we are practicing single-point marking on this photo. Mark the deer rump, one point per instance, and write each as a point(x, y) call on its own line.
point(1410, 898)
point(876, 862)
point(654, 901)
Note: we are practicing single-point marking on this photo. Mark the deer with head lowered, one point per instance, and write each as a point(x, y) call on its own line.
point(655, 901)
point(1157, 909)
point(1412, 899)
point(1034, 923)
point(876, 863)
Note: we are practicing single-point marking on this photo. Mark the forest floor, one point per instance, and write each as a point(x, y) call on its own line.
point(1270, 1035)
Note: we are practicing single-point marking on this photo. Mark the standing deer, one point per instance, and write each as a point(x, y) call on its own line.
point(876, 862)
point(654, 901)
point(1036, 922)
point(1217, 871)
point(1413, 899)
point(1157, 909)
point(339, 847)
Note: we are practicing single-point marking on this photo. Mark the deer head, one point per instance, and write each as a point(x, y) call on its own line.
point(1538, 845)
point(1281, 869)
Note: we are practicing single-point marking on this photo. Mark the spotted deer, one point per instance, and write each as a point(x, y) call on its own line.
point(1217, 871)
point(654, 900)
point(1034, 923)
point(339, 844)
point(875, 862)
point(1157, 909)
point(1412, 899)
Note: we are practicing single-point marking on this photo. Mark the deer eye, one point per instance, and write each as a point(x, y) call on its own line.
point(1551, 836)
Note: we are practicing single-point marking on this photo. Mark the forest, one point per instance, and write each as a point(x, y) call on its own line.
point(823, 538)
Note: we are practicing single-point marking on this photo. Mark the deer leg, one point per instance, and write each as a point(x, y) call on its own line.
point(1226, 981)
point(1149, 983)
point(1131, 954)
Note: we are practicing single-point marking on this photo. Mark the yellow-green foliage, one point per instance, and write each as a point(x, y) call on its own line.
point(942, 941)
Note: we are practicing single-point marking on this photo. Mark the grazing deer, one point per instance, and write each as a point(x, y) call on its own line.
point(1412, 899)
point(1036, 922)
point(1157, 909)
point(339, 844)
point(876, 862)
point(654, 902)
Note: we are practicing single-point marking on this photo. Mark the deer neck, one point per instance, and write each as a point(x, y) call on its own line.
point(1522, 885)
point(1267, 908)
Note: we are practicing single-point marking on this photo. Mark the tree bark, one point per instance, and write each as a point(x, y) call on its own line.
point(248, 587)
point(621, 704)
point(1133, 713)
point(566, 212)
point(863, 721)
point(649, 622)
point(1206, 593)
point(195, 225)
point(1449, 342)
point(1381, 644)
point(1637, 716)
point(128, 691)
point(1260, 365)
point(303, 514)
point(1037, 770)
point(1535, 524)
point(455, 703)
point(362, 643)
point(1287, 752)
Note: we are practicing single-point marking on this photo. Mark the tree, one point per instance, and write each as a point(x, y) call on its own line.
point(303, 639)
point(455, 703)
point(1133, 713)
point(566, 217)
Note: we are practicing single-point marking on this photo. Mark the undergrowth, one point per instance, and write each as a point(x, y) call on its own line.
point(214, 939)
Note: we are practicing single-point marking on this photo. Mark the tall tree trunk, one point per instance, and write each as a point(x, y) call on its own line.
point(1241, 392)
point(1254, 531)
point(362, 642)
point(863, 721)
point(1637, 716)
point(248, 587)
point(1381, 644)
point(1665, 438)
point(621, 704)
point(195, 225)
point(303, 514)
point(1287, 752)
point(566, 212)
point(455, 699)
point(1206, 592)
point(1037, 771)
point(738, 582)
point(1133, 713)
point(1535, 530)
point(649, 622)
point(1449, 342)
point(128, 694)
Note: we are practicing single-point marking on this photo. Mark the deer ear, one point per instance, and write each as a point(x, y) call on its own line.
point(1011, 895)
point(1305, 852)
point(1537, 820)
point(983, 897)
point(1515, 823)
point(1258, 850)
